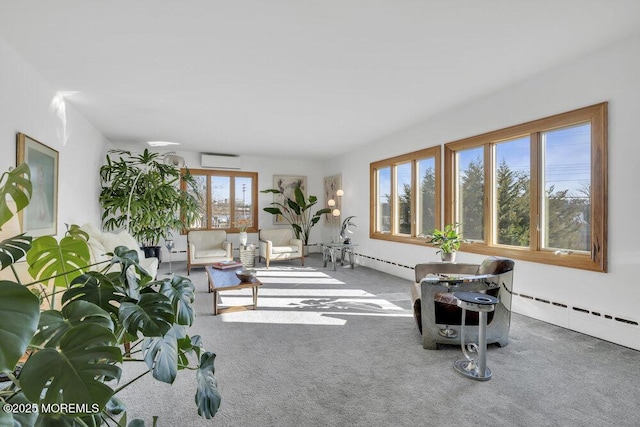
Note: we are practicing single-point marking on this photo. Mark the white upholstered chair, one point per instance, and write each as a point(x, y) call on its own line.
point(205, 247)
point(102, 242)
point(279, 244)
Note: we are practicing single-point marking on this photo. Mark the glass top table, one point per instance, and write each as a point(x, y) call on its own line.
point(331, 250)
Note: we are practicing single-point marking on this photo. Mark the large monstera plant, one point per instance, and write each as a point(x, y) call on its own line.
point(62, 366)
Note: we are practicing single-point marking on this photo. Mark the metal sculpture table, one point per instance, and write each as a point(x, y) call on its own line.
point(329, 251)
point(482, 303)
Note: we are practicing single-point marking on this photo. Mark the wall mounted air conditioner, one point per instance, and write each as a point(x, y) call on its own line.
point(219, 161)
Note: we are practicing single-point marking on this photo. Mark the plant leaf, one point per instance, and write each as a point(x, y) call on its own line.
point(299, 197)
point(95, 288)
point(18, 418)
point(60, 420)
point(272, 190)
point(17, 186)
point(74, 373)
point(186, 346)
point(115, 406)
point(296, 208)
point(13, 248)
point(208, 397)
point(180, 292)
point(48, 258)
point(54, 324)
point(273, 211)
point(19, 315)
point(161, 355)
point(151, 314)
point(128, 261)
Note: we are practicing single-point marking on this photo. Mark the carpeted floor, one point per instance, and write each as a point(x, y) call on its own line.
point(341, 349)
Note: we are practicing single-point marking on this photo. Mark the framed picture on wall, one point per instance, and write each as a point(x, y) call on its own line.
point(40, 217)
point(287, 184)
point(331, 186)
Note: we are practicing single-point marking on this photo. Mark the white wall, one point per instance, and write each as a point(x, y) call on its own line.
point(611, 75)
point(25, 99)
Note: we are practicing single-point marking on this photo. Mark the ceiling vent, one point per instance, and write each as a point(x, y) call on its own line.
point(219, 161)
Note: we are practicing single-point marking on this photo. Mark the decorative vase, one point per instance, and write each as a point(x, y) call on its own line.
point(448, 257)
point(243, 238)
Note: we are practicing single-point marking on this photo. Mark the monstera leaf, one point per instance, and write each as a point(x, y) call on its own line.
point(19, 314)
point(151, 314)
point(128, 261)
point(48, 258)
point(96, 288)
point(161, 356)
point(17, 185)
point(54, 324)
point(180, 291)
point(13, 248)
point(207, 395)
point(186, 346)
point(74, 372)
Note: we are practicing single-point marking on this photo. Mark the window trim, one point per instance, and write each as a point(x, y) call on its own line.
point(596, 260)
point(232, 175)
point(413, 157)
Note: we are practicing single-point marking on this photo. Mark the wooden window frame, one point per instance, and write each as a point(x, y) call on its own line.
point(414, 157)
point(596, 259)
point(232, 175)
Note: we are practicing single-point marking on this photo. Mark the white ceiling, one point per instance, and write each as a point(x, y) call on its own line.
point(300, 78)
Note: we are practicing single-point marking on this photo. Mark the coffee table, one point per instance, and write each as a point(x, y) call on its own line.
point(226, 280)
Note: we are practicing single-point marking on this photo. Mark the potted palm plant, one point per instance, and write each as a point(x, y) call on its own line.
point(142, 194)
point(297, 212)
point(448, 240)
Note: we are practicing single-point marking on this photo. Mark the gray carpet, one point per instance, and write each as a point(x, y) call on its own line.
point(342, 349)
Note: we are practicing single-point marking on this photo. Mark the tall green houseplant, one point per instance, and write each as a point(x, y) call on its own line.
point(144, 195)
point(62, 366)
point(297, 212)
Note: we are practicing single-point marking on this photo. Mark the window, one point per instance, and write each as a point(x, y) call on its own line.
point(228, 197)
point(535, 191)
point(405, 196)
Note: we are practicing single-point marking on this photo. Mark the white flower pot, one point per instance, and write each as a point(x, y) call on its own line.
point(448, 257)
point(243, 238)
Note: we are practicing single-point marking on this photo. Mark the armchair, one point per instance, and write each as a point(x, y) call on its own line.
point(279, 244)
point(435, 307)
point(204, 247)
point(102, 242)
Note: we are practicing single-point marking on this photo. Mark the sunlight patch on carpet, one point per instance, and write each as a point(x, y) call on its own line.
point(300, 280)
point(268, 292)
point(308, 306)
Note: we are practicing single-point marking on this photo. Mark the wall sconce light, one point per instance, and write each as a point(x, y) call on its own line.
point(331, 203)
point(339, 193)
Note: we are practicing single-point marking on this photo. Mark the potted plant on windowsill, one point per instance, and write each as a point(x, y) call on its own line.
point(142, 194)
point(297, 212)
point(448, 240)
